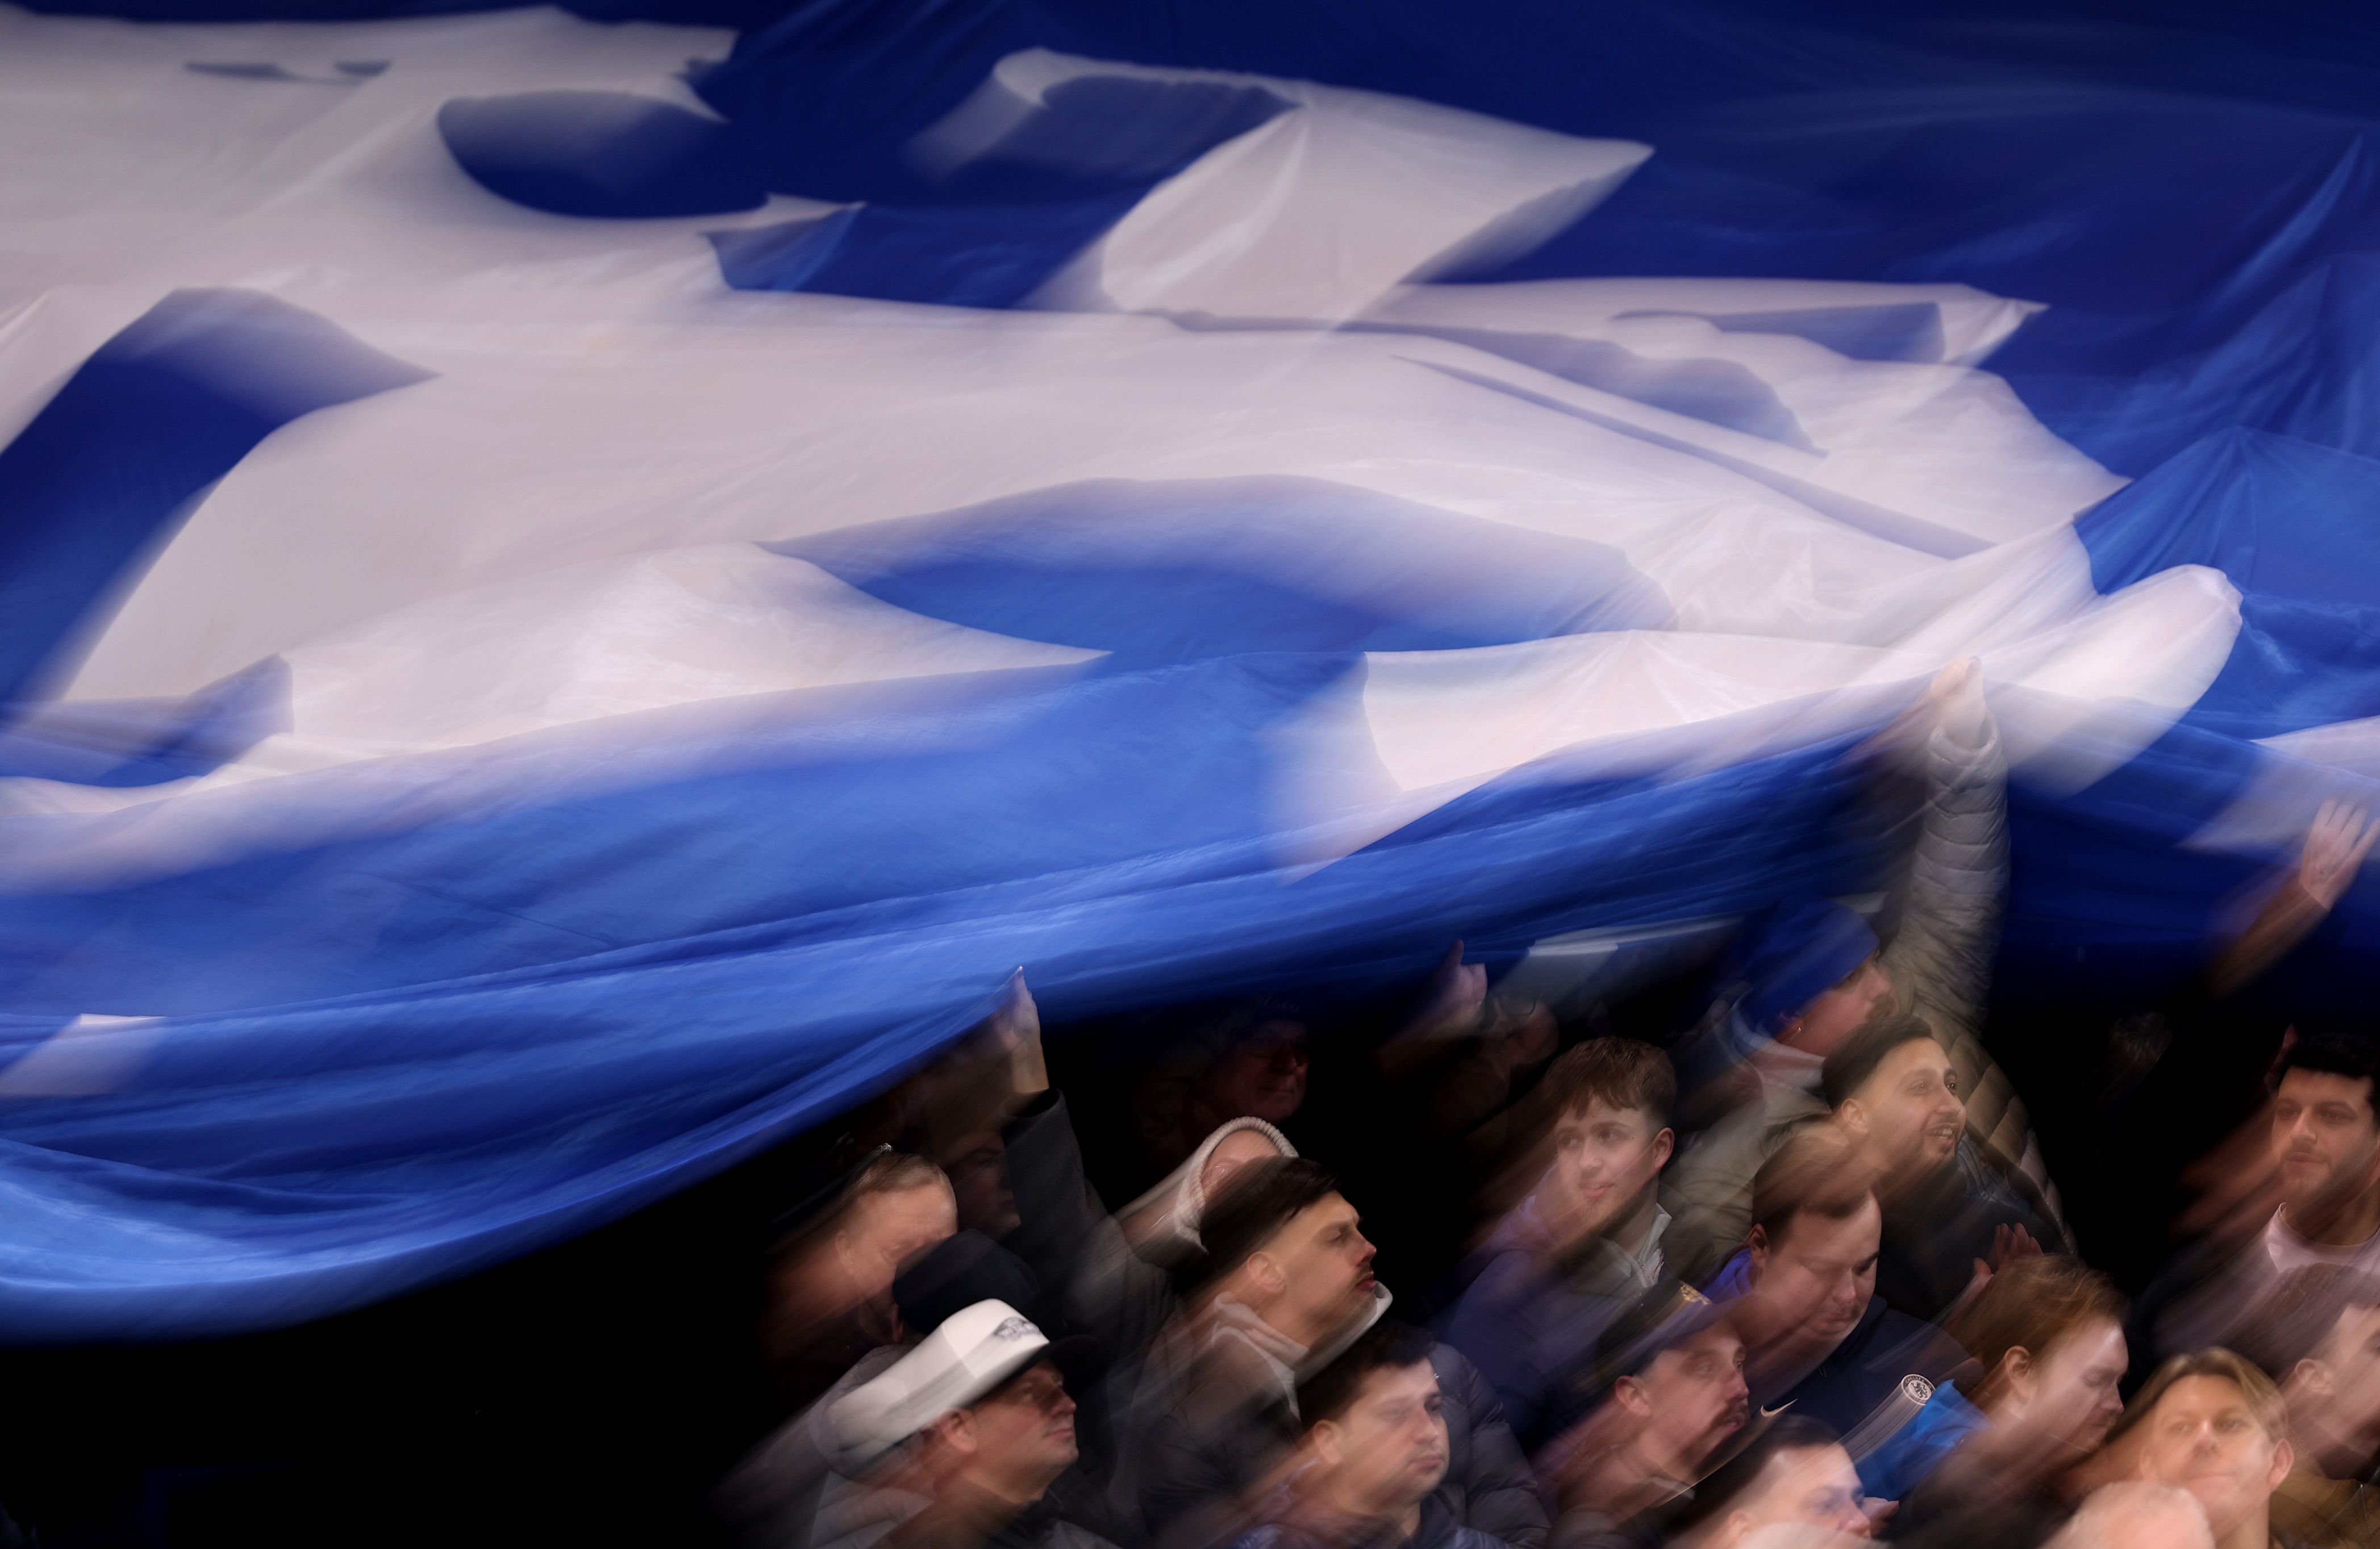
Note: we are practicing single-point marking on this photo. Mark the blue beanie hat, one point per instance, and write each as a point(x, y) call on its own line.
point(1796, 952)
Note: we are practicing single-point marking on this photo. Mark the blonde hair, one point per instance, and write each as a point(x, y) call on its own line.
point(892, 1172)
point(2263, 1399)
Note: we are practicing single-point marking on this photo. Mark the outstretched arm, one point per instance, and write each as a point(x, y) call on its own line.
point(1951, 899)
point(1063, 1231)
point(1956, 878)
point(2333, 853)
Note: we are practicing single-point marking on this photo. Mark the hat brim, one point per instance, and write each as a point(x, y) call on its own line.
point(1629, 1360)
point(1078, 1357)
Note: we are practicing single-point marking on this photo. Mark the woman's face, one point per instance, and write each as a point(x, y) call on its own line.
point(2077, 1398)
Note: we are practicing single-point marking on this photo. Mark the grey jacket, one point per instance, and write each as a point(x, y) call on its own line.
point(1942, 929)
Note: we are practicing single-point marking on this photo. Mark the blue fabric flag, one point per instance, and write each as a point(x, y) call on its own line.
point(581, 597)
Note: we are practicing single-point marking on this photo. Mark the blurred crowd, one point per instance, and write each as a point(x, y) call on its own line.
point(1793, 1272)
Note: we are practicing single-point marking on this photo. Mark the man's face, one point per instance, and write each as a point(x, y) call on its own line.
point(1025, 1429)
point(1326, 1264)
point(1605, 1159)
point(2204, 1438)
point(1827, 1020)
point(1263, 1076)
point(886, 1230)
point(2324, 1138)
point(1695, 1396)
point(1391, 1442)
point(1810, 1487)
point(1817, 1275)
point(1911, 1105)
point(979, 1178)
point(2076, 1395)
point(2352, 1352)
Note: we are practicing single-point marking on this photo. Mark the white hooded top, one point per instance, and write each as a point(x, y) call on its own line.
point(1163, 1223)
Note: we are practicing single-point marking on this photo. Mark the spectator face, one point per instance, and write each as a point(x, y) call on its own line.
point(2350, 1355)
point(1262, 1077)
point(1321, 1270)
point(1910, 1109)
point(885, 1230)
point(2076, 1394)
point(1388, 1448)
point(1604, 1160)
point(1812, 1487)
point(980, 1181)
point(2204, 1438)
point(2324, 1138)
point(1816, 1277)
point(1691, 1398)
point(1025, 1429)
point(1231, 1153)
point(1828, 1020)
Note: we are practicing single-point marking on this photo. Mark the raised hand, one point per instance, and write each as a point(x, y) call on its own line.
point(1451, 1002)
point(2011, 1242)
point(2334, 848)
point(1954, 698)
point(1014, 1032)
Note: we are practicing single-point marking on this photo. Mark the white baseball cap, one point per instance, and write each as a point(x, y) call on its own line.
point(974, 1350)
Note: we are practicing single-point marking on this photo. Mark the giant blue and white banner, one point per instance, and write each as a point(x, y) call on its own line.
point(578, 595)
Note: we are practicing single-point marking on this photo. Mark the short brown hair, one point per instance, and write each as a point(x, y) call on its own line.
point(1623, 1072)
point(2296, 1319)
point(1857, 1057)
point(2263, 1398)
point(2030, 1305)
point(1816, 1172)
point(1388, 1345)
point(1255, 1202)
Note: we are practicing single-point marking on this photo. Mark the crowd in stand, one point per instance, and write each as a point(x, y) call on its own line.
point(1795, 1275)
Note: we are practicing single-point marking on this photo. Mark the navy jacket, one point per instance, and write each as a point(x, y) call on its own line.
point(1530, 1330)
point(1875, 1381)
